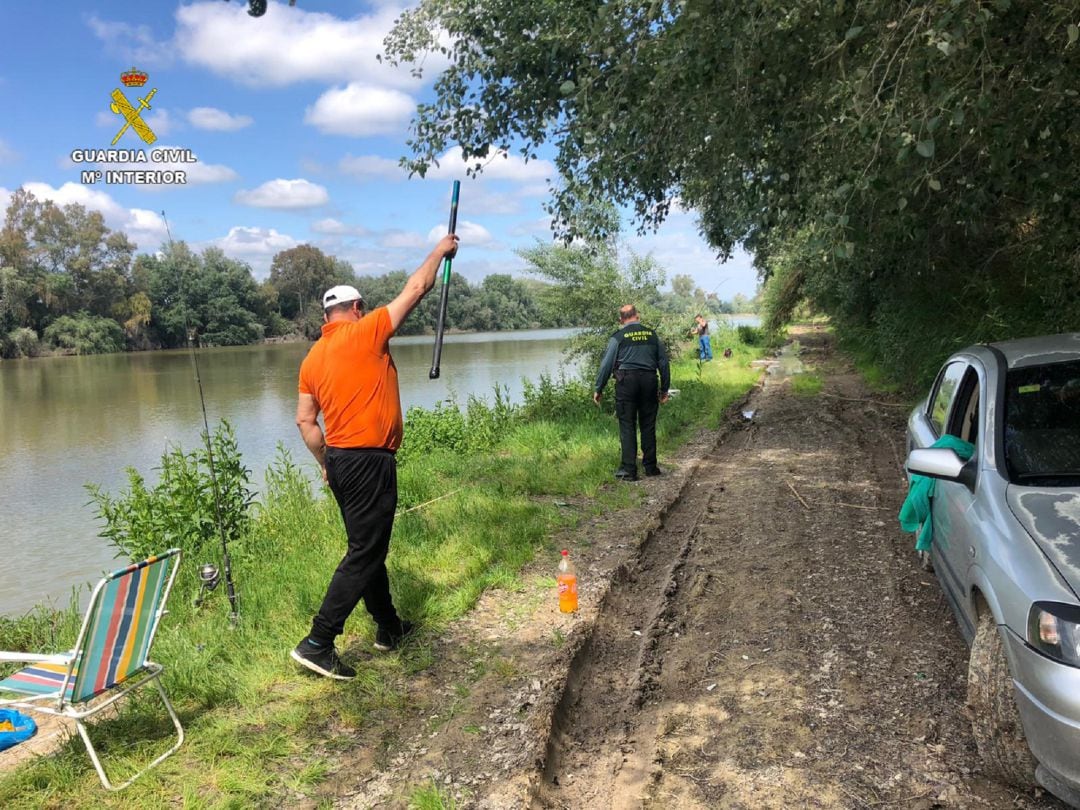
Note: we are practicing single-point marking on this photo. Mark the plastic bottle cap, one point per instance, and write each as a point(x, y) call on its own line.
point(565, 553)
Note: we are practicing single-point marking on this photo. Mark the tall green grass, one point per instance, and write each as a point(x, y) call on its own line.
point(480, 494)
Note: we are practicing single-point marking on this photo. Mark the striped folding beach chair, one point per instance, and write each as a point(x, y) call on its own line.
point(110, 658)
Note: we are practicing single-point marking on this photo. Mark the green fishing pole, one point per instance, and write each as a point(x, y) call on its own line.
point(444, 299)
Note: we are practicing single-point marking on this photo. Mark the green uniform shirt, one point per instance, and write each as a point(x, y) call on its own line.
point(635, 347)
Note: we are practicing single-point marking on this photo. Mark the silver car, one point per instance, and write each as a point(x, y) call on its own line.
point(1006, 546)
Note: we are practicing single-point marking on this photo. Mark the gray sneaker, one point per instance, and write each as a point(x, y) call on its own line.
point(323, 660)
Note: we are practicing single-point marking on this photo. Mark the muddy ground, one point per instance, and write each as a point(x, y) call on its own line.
point(756, 634)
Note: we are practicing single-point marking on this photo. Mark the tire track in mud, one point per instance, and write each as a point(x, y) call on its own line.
point(617, 669)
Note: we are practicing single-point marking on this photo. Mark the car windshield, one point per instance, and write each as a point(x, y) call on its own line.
point(1042, 424)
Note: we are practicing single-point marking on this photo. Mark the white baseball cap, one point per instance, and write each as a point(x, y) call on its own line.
point(341, 294)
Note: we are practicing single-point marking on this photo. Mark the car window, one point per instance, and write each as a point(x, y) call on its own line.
point(1042, 424)
point(943, 394)
point(964, 414)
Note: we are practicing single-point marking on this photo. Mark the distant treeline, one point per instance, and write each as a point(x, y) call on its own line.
point(69, 284)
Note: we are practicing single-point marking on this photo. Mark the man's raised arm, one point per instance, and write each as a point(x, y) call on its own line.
point(421, 281)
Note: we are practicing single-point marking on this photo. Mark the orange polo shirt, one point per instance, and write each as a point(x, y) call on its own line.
point(351, 375)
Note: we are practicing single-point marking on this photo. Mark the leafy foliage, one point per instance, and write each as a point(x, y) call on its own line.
point(300, 276)
point(84, 334)
point(181, 509)
point(21, 342)
point(589, 285)
point(446, 426)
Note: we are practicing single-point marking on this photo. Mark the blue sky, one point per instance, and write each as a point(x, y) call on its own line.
point(297, 129)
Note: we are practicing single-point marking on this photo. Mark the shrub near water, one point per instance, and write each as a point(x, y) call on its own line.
point(480, 489)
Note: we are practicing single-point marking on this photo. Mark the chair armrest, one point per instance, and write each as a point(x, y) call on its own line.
point(31, 658)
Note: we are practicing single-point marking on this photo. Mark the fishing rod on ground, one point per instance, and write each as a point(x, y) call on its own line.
point(444, 298)
point(209, 576)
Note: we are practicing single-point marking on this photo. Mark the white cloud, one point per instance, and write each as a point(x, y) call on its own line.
point(470, 233)
point(286, 194)
point(539, 228)
point(371, 166)
point(7, 154)
point(256, 246)
point(159, 121)
point(497, 165)
point(133, 43)
point(403, 239)
point(534, 190)
point(217, 120)
point(145, 228)
point(290, 45)
point(334, 227)
point(482, 201)
point(360, 110)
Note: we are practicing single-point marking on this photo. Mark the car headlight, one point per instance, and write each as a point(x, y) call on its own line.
point(1054, 629)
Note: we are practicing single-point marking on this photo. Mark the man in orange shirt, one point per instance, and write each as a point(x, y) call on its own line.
point(350, 377)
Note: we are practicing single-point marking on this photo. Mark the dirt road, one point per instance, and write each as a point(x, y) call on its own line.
point(763, 639)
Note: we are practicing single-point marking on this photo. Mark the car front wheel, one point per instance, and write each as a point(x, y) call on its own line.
point(995, 718)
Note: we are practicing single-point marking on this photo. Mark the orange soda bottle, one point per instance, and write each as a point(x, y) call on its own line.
point(567, 580)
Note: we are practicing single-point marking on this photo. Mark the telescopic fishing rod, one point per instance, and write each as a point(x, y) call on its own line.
point(208, 576)
point(444, 299)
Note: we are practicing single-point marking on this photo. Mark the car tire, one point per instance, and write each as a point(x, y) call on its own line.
point(995, 717)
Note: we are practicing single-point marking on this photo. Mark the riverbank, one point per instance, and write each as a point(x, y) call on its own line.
point(513, 477)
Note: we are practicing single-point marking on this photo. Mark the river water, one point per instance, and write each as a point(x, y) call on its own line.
point(69, 421)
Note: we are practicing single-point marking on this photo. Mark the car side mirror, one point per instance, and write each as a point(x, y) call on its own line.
point(943, 463)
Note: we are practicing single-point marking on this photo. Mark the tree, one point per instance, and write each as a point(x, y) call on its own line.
point(301, 275)
point(683, 286)
point(212, 295)
point(60, 260)
point(228, 313)
point(589, 285)
point(85, 334)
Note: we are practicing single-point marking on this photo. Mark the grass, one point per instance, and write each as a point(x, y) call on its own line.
point(259, 730)
point(807, 384)
point(430, 797)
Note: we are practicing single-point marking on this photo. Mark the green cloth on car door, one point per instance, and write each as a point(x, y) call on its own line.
point(916, 508)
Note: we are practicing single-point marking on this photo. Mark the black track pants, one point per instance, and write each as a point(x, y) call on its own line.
point(364, 482)
point(636, 404)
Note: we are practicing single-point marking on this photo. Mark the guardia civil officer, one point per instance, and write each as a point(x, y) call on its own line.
point(634, 355)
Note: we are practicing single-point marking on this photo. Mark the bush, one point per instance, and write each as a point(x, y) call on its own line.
point(85, 334)
point(750, 335)
point(22, 342)
point(446, 427)
point(548, 399)
point(181, 509)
